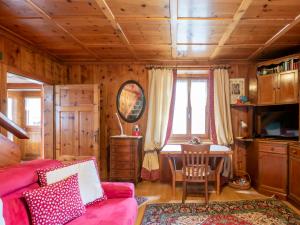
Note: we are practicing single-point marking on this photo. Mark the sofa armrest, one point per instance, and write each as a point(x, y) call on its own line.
point(118, 189)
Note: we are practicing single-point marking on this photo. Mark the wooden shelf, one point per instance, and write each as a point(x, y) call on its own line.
point(241, 139)
point(243, 105)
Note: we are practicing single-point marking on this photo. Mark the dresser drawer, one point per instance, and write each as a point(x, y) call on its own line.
point(122, 174)
point(122, 157)
point(123, 142)
point(272, 148)
point(294, 151)
point(117, 165)
point(122, 148)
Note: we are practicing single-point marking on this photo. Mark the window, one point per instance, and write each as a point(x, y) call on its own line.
point(33, 111)
point(190, 116)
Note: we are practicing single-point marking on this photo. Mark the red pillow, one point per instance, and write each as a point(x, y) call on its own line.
point(55, 204)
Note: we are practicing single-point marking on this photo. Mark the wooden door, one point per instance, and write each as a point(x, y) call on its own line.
point(287, 87)
point(77, 121)
point(266, 89)
point(272, 173)
point(294, 174)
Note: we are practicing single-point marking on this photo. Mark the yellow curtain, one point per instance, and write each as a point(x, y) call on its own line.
point(222, 107)
point(160, 95)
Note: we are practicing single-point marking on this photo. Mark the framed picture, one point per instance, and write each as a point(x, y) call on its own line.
point(237, 89)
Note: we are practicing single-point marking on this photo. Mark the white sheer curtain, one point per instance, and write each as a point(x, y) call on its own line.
point(222, 107)
point(160, 95)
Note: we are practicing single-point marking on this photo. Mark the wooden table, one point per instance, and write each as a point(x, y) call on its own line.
point(173, 152)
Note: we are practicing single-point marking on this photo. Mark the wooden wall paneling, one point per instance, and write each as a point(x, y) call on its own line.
point(3, 92)
point(9, 152)
point(110, 78)
point(27, 60)
point(13, 53)
point(48, 125)
point(39, 64)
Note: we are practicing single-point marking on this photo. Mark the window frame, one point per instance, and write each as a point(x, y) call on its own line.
point(182, 138)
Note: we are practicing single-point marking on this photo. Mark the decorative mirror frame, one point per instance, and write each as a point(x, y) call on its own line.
point(118, 98)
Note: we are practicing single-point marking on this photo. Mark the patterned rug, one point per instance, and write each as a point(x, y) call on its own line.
point(254, 212)
point(141, 200)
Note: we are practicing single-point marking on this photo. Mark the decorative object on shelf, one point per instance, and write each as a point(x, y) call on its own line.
point(241, 181)
point(243, 126)
point(286, 65)
point(120, 125)
point(195, 141)
point(136, 130)
point(131, 101)
point(237, 89)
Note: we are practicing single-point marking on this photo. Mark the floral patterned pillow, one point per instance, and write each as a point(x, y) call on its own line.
point(55, 204)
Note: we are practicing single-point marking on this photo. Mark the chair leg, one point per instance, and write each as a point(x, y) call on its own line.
point(173, 185)
point(206, 191)
point(218, 185)
point(183, 192)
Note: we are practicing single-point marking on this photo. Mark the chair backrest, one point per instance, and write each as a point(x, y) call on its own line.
point(195, 162)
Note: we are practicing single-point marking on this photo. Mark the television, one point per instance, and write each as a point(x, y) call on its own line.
point(279, 121)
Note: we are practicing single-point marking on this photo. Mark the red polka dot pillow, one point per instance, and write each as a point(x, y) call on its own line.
point(89, 183)
point(55, 204)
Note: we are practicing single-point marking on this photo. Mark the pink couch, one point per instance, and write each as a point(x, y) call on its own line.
point(119, 209)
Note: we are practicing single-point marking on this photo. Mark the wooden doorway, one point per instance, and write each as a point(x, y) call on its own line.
point(77, 121)
point(24, 107)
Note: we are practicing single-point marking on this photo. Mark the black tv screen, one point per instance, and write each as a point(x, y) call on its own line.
point(280, 122)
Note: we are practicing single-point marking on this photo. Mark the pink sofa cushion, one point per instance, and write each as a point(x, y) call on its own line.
point(19, 176)
point(118, 189)
point(55, 204)
point(118, 211)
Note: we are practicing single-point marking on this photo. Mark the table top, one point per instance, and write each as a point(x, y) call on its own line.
point(214, 150)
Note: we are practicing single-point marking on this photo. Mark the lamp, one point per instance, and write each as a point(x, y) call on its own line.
point(242, 125)
point(120, 125)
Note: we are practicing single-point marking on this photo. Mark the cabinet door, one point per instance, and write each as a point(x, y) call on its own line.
point(272, 172)
point(267, 89)
point(294, 175)
point(287, 87)
point(77, 121)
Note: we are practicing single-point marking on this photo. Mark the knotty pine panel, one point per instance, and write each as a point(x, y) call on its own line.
point(110, 78)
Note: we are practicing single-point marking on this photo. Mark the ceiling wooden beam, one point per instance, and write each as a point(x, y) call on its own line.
point(112, 20)
point(52, 21)
point(231, 27)
point(174, 15)
point(24, 86)
point(278, 35)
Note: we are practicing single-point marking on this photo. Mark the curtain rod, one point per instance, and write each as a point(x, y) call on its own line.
point(225, 66)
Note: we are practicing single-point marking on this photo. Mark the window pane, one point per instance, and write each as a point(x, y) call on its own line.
point(33, 111)
point(180, 108)
point(198, 103)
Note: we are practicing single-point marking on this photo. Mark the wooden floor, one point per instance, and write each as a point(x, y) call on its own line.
point(162, 193)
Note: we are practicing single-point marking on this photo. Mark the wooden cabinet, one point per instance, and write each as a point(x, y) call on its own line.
point(287, 87)
point(273, 168)
point(266, 89)
point(278, 88)
point(294, 174)
point(125, 158)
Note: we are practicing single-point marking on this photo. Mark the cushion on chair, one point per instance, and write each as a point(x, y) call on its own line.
point(55, 204)
point(89, 182)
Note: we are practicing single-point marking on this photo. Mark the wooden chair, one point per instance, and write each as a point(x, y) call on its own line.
point(195, 167)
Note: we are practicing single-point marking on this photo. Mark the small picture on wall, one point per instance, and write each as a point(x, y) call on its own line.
point(237, 89)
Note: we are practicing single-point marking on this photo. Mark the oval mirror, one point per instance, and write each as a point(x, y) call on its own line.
point(131, 101)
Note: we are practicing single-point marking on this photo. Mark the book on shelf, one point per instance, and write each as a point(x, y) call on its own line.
point(291, 64)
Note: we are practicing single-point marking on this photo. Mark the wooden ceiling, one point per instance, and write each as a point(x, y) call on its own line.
point(106, 30)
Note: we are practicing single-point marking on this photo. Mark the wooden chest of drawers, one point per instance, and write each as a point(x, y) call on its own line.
point(294, 174)
point(125, 158)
